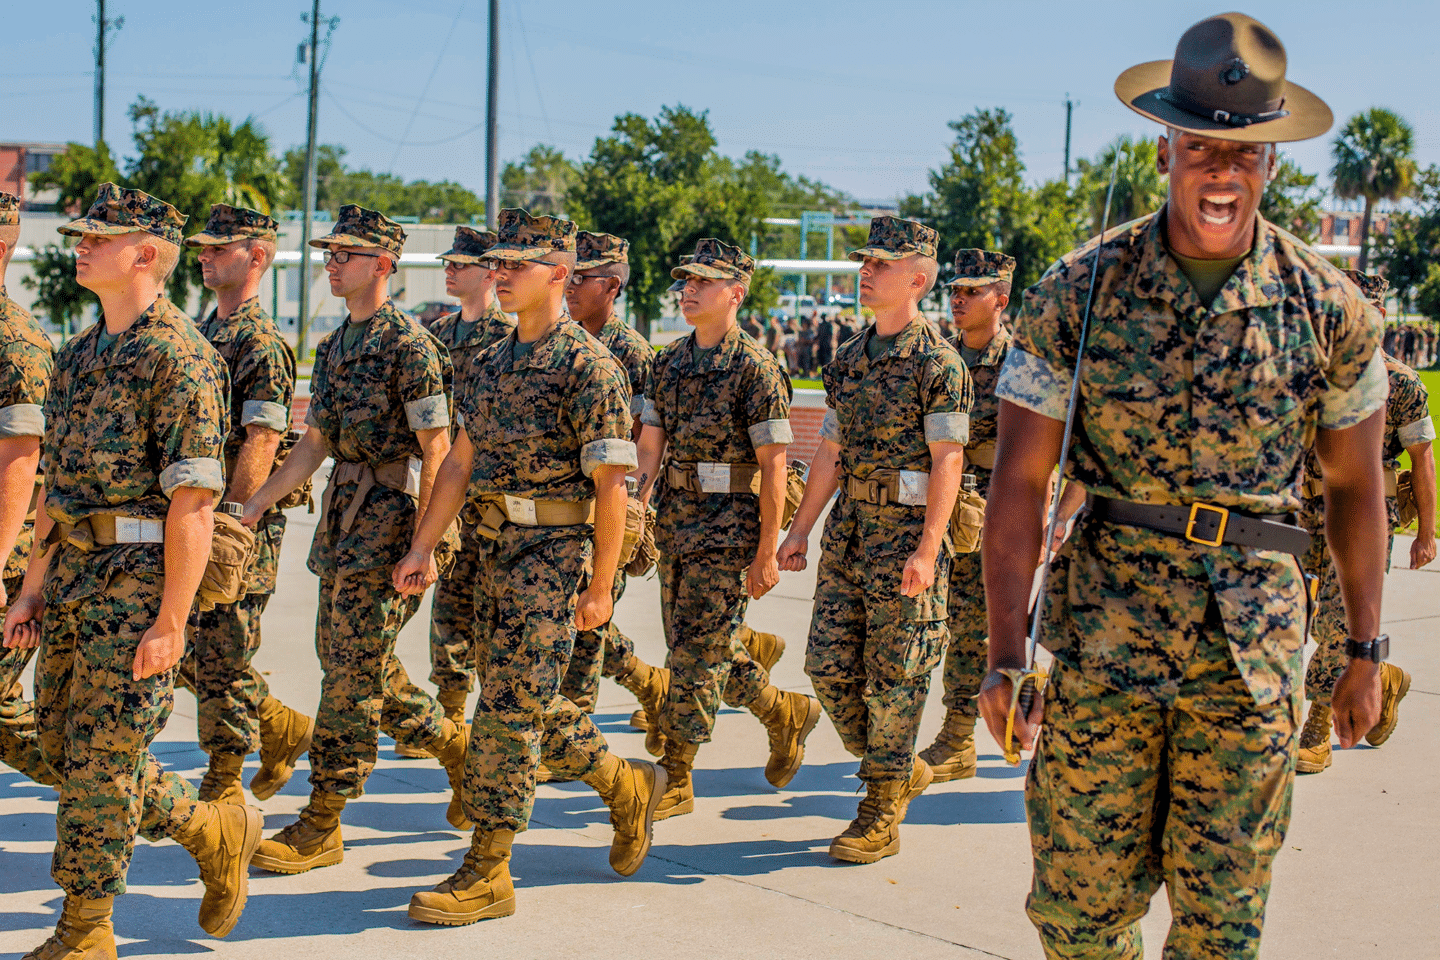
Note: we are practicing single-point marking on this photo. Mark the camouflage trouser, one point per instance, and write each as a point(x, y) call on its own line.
point(602, 652)
point(96, 723)
point(1125, 793)
point(228, 689)
point(703, 597)
point(452, 620)
point(965, 660)
point(19, 743)
point(871, 652)
point(365, 688)
point(1327, 626)
point(525, 628)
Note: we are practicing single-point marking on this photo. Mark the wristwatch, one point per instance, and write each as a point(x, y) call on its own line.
point(232, 508)
point(1376, 651)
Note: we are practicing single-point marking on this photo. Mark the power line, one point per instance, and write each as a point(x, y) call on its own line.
point(389, 139)
point(434, 68)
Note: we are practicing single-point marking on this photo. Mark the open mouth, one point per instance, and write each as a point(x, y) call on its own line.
point(1219, 210)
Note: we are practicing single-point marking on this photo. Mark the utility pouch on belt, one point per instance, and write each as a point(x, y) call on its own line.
point(1405, 500)
point(301, 495)
point(967, 520)
point(645, 556)
point(795, 473)
point(634, 530)
point(232, 550)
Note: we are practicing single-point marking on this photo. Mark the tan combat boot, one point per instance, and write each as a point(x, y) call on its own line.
point(1315, 741)
point(453, 703)
point(479, 890)
point(84, 932)
point(1394, 684)
point(312, 841)
point(222, 837)
point(285, 735)
point(650, 685)
point(632, 789)
point(222, 781)
point(449, 748)
point(789, 718)
point(765, 649)
point(679, 796)
point(952, 755)
point(875, 832)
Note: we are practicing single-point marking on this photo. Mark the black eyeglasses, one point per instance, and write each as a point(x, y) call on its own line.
point(516, 264)
point(342, 257)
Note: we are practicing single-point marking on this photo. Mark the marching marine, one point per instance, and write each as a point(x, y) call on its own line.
point(892, 442)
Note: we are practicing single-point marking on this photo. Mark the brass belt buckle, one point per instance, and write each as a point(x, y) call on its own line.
point(1195, 509)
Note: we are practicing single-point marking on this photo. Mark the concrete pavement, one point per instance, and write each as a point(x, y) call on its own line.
point(746, 875)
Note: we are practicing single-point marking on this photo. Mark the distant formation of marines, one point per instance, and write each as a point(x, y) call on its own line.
point(1237, 433)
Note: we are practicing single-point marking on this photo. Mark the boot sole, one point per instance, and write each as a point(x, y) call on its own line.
point(500, 908)
point(325, 858)
point(850, 855)
point(1376, 737)
point(680, 809)
point(254, 827)
point(284, 772)
point(1305, 766)
point(812, 717)
point(412, 753)
point(657, 791)
point(960, 773)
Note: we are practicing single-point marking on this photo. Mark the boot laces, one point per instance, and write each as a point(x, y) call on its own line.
point(214, 782)
point(1317, 728)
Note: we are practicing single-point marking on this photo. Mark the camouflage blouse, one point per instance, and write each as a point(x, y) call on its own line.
point(26, 362)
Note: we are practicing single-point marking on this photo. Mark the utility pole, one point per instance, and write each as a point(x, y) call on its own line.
point(1069, 109)
point(302, 323)
point(492, 106)
point(102, 27)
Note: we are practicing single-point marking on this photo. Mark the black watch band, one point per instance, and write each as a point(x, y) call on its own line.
point(1376, 651)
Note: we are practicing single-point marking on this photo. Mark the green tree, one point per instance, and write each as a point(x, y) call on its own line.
point(1412, 245)
point(1140, 187)
point(1427, 295)
point(1374, 158)
point(539, 182)
point(1292, 202)
point(77, 173)
point(57, 294)
point(329, 176)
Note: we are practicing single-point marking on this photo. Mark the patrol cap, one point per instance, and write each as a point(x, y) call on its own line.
point(679, 284)
point(120, 210)
point(716, 260)
point(9, 209)
point(980, 268)
point(227, 224)
point(893, 238)
point(358, 227)
point(470, 245)
point(1372, 286)
point(527, 238)
point(597, 249)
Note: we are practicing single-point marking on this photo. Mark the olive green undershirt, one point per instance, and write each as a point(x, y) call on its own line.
point(699, 353)
point(519, 350)
point(106, 339)
point(970, 355)
point(354, 330)
point(879, 345)
point(1208, 277)
point(463, 329)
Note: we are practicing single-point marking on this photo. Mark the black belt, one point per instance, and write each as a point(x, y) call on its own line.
point(1206, 524)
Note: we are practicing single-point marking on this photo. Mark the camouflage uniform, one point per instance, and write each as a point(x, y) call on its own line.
point(715, 410)
point(26, 361)
point(452, 612)
point(124, 428)
point(540, 425)
point(605, 651)
point(1170, 719)
point(1407, 423)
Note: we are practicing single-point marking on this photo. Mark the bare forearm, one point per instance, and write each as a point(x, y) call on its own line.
point(302, 462)
point(19, 457)
point(772, 496)
point(1422, 484)
point(253, 463)
point(189, 529)
point(650, 453)
point(447, 497)
point(946, 468)
point(1356, 518)
point(1010, 550)
point(820, 486)
point(610, 500)
point(435, 445)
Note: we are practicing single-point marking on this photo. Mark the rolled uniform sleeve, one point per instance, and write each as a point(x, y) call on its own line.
point(1341, 408)
point(428, 413)
point(1421, 431)
point(264, 381)
point(422, 386)
point(265, 413)
point(649, 415)
point(1030, 382)
point(830, 426)
point(770, 432)
point(947, 428)
point(189, 426)
point(600, 416)
point(22, 420)
point(947, 394)
point(25, 371)
point(608, 453)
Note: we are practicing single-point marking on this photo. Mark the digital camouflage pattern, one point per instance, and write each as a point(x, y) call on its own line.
point(470, 245)
point(19, 741)
point(597, 249)
point(1407, 417)
point(539, 425)
point(966, 657)
point(118, 210)
point(27, 361)
point(635, 355)
point(359, 227)
point(227, 224)
point(1372, 287)
point(710, 411)
point(523, 237)
point(871, 650)
point(980, 268)
point(1102, 841)
point(368, 402)
point(9, 209)
point(125, 426)
point(602, 652)
point(218, 666)
point(1177, 663)
point(364, 689)
point(452, 612)
point(715, 260)
point(893, 238)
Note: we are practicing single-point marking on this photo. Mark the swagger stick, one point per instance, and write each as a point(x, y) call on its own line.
point(1023, 682)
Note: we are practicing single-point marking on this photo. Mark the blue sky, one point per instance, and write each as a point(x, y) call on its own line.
point(855, 94)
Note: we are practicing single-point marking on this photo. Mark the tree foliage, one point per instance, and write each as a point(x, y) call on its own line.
point(1292, 201)
point(76, 174)
point(442, 201)
point(1375, 159)
point(1140, 187)
point(1411, 247)
point(539, 182)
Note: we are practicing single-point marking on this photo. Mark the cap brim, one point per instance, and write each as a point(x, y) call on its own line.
point(515, 251)
point(675, 287)
point(99, 228)
point(592, 264)
point(879, 253)
point(451, 256)
point(972, 281)
point(349, 240)
point(1139, 88)
point(203, 239)
point(703, 271)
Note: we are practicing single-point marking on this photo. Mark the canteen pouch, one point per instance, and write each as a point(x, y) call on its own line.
point(795, 475)
point(303, 495)
point(634, 530)
point(645, 556)
point(233, 549)
point(1405, 503)
point(967, 521)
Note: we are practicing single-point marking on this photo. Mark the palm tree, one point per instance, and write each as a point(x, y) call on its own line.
point(1375, 159)
point(1139, 185)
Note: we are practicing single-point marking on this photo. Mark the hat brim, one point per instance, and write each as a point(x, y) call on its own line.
point(450, 256)
point(99, 228)
point(972, 281)
point(704, 271)
point(1139, 88)
point(675, 287)
point(880, 253)
point(206, 239)
point(592, 264)
point(350, 240)
point(515, 251)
